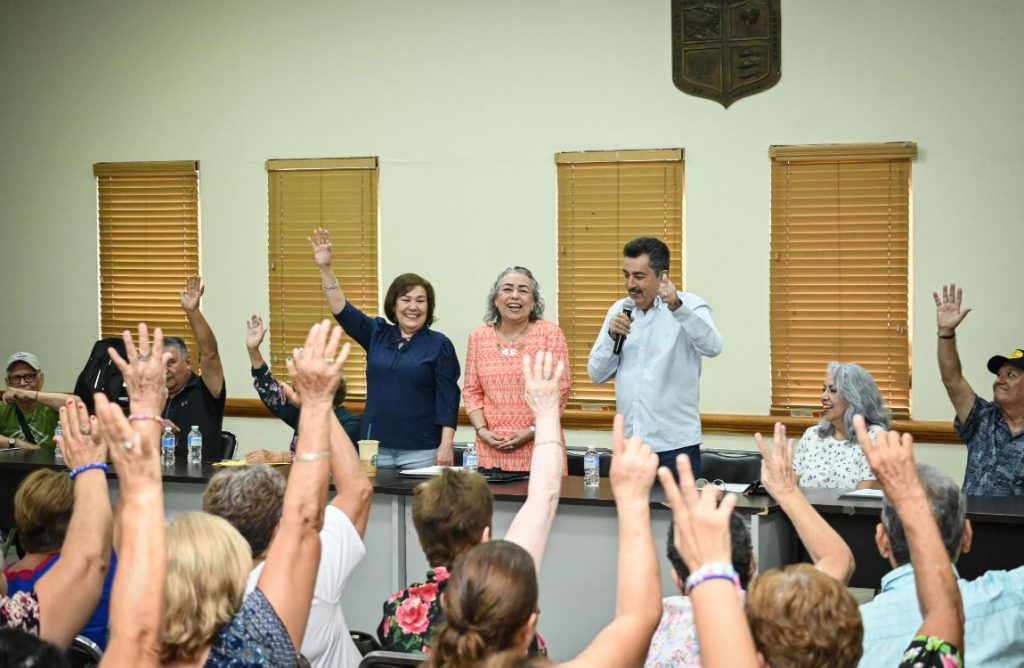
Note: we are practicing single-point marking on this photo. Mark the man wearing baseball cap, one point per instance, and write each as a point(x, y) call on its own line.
point(28, 415)
point(993, 430)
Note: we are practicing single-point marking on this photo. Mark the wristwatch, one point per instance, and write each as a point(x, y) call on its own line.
point(11, 442)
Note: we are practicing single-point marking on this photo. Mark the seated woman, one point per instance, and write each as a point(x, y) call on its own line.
point(412, 372)
point(452, 514)
point(273, 397)
point(42, 509)
point(493, 389)
point(490, 605)
point(827, 454)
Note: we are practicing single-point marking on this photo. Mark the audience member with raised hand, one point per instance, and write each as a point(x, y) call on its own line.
point(194, 399)
point(251, 499)
point(452, 514)
point(272, 394)
point(412, 372)
point(990, 429)
point(137, 600)
point(939, 640)
point(490, 603)
point(28, 416)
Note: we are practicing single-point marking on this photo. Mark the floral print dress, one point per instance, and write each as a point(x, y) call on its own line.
point(21, 612)
point(931, 652)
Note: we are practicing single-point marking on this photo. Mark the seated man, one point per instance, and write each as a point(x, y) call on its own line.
point(28, 416)
point(251, 499)
point(192, 399)
point(993, 604)
point(993, 430)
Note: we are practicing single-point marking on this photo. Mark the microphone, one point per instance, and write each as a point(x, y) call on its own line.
point(627, 310)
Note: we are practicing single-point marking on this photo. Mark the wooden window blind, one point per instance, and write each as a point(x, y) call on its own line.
point(605, 199)
point(840, 267)
point(339, 195)
point(148, 243)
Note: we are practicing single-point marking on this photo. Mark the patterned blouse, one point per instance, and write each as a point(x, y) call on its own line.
point(254, 638)
point(674, 644)
point(826, 462)
point(412, 615)
point(273, 398)
point(494, 382)
point(931, 652)
point(20, 612)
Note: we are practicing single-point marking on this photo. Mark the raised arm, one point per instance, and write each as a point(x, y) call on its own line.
point(948, 316)
point(267, 386)
point(137, 599)
point(69, 592)
point(532, 524)
point(353, 489)
point(625, 641)
point(702, 537)
point(209, 355)
point(828, 551)
point(892, 459)
point(294, 556)
point(323, 251)
point(698, 322)
point(54, 400)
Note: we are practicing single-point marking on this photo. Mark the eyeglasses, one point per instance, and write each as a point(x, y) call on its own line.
point(20, 378)
point(701, 483)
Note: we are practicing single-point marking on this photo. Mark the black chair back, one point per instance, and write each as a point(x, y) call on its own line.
point(83, 653)
point(738, 466)
point(365, 642)
point(100, 374)
point(383, 659)
point(228, 443)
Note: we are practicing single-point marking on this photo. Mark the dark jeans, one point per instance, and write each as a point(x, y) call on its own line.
point(668, 458)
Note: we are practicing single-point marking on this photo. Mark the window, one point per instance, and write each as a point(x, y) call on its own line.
point(148, 243)
point(339, 195)
point(605, 199)
point(840, 249)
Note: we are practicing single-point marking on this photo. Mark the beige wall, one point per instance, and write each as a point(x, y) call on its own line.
point(465, 103)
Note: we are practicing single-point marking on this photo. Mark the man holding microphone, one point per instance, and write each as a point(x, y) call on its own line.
point(651, 343)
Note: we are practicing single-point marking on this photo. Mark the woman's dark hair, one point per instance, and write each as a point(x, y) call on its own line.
point(488, 600)
point(400, 286)
point(742, 551)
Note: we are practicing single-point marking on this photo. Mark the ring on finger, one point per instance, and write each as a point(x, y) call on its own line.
point(127, 445)
point(144, 358)
point(86, 432)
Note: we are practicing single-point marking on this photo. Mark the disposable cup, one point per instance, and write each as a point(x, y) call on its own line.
point(368, 456)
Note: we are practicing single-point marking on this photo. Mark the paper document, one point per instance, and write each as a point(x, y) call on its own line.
point(242, 462)
point(864, 494)
point(428, 471)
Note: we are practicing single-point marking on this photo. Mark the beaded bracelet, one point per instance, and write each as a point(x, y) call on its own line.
point(82, 469)
point(712, 571)
point(312, 457)
point(328, 288)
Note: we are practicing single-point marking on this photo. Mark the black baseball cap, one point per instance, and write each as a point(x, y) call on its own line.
point(1016, 358)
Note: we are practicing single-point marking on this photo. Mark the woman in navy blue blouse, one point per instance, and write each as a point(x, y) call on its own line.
point(412, 372)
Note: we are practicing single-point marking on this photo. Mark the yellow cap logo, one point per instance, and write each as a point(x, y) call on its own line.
point(1016, 354)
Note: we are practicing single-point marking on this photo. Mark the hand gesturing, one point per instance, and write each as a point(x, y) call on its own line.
point(777, 462)
point(144, 370)
point(541, 384)
point(948, 314)
point(668, 293)
point(255, 331)
point(316, 368)
point(322, 247)
point(192, 293)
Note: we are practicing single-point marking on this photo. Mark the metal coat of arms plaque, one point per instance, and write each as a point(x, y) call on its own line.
point(726, 49)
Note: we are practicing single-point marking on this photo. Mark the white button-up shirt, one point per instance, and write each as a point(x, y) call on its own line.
point(657, 374)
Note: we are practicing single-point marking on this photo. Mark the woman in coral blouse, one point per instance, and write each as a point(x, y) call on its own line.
point(493, 391)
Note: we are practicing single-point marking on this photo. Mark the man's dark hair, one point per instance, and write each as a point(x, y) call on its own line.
point(176, 342)
point(655, 250)
point(742, 551)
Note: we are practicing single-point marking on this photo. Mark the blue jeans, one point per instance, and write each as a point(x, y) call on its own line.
point(668, 458)
point(405, 459)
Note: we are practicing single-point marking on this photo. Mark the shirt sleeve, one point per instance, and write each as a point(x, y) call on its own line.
point(603, 361)
point(446, 394)
point(699, 324)
point(273, 397)
point(969, 428)
point(357, 324)
point(472, 391)
point(340, 552)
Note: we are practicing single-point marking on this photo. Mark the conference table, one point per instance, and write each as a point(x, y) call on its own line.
point(578, 576)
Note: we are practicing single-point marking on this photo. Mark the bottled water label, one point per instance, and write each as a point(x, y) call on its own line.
point(591, 469)
point(470, 459)
point(167, 447)
point(195, 446)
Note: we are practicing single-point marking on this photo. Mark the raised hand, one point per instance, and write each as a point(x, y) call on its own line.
point(668, 293)
point(541, 386)
point(320, 243)
point(144, 370)
point(777, 463)
point(316, 368)
point(192, 293)
point(701, 524)
point(134, 450)
point(634, 466)
point(255, 331)
point(948, 313)
point(891, 457)
point(78, 441)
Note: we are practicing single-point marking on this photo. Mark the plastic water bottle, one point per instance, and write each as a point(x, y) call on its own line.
point(470, 458)
point(167, 447)
point(591, 468)
point(195, 446)
point(58, 456)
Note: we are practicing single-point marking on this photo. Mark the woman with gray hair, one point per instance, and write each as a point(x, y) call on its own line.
point(828, 454)
point(493, 390)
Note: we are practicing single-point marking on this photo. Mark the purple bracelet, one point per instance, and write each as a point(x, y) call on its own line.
point(714, 571)
point(82, 469)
